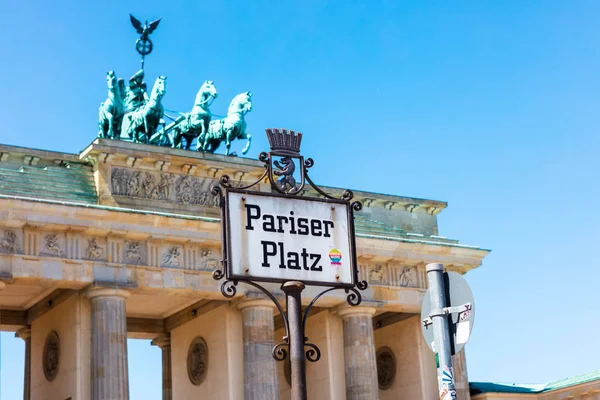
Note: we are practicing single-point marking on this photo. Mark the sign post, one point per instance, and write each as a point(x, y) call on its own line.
point(283, 237)
point(448, 308)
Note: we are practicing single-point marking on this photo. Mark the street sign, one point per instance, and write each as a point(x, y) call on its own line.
point(273, 238)
point(461, 312)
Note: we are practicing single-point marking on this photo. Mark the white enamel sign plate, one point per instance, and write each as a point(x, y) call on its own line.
point(279, 239)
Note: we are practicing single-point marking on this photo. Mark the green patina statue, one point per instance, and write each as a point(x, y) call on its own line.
point(136, 95)
point(111, 111)
point(143, 121)
point(195, 123)
point(130, 114)
point(233, 126)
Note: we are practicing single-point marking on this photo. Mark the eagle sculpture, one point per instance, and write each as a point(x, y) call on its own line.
point(146, 29)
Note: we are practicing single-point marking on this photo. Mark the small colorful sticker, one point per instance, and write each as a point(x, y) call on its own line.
point(336, 257)
point(447, 375)
point(447, 394)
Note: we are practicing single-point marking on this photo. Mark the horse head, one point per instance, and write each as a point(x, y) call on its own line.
point(159, 88)
point(207, 91)
point(242, 103)
point(111, 80)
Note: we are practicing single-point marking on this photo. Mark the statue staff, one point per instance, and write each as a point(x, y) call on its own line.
point(144, 45)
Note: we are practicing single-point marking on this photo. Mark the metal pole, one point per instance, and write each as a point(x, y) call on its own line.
point(441, 332)
point(293, 291)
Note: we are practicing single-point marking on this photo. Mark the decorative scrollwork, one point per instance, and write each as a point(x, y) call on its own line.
point(279, 352)
point(264, 157)
point(225, 180)
point(215, 190)
point(308, 163)
point(353, 298)
point(313, 354)
point(348, 195)
point(362, 285)
point(229, 289)
point(218, 274)
point(357, 206)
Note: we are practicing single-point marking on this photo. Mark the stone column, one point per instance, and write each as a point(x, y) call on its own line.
point(359, 353)
point(110, 380)
point(260, 370)
point(25, 334)
point(164, 342)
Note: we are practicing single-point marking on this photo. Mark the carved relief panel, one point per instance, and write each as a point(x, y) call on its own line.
point(134, 252)
point(162, 186)
point(10, 242)
point(95, 249)
point(52, 244)
point(396, 275)
point(113, 248)
point(197, 361)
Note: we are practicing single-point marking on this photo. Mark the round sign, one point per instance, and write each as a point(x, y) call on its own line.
point(460, 329)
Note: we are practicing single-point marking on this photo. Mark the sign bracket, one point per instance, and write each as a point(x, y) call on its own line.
point(280, 171)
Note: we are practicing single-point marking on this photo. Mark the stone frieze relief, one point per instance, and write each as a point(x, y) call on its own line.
point(10, 243)
point(162, 186)
point(391, 275)
point(195, 257)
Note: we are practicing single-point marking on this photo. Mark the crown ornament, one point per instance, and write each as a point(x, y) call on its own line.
point(284, 142)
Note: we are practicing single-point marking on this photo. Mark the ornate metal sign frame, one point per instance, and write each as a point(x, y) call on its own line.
point(227, 250)
point(285, 145)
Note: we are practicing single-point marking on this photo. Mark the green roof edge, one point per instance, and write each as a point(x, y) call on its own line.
point(499, 387)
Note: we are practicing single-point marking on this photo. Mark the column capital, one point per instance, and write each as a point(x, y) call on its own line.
point(162, 341)
point(256, 303)
point(104, 292)
point(357, 310)
point(23, 333)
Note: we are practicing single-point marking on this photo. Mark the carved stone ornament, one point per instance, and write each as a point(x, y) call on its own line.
point(172, 258)
point(9, 244)
point(173, 188)
point(386, 368)
point(94, 251)
point(52, 248)
point(133, 253)
point(197, 361)
point(406, 278)
point(51, 356)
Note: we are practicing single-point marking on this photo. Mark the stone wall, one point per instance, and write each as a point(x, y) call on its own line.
point(415, 365)
point(221, 329)
point(71, 321)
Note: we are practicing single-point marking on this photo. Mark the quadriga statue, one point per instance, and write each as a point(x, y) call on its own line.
point(194, 124)
point(112, 109)
point(144, 121)
point(232, 127)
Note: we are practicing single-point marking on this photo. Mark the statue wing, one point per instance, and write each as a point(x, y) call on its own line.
point(136, 24)
point(153, 25)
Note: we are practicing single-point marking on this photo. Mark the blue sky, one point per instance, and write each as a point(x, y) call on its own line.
point(491, 106)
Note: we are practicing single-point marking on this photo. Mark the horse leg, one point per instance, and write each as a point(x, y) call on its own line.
point(146, 132)
point(176, 138)
point(101, 128)
point(249, 138)
point(110, 133)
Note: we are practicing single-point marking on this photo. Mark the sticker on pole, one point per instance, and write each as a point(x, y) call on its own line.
point(461, 312)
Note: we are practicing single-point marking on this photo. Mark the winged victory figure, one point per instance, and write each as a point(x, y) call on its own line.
point(146, 29)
